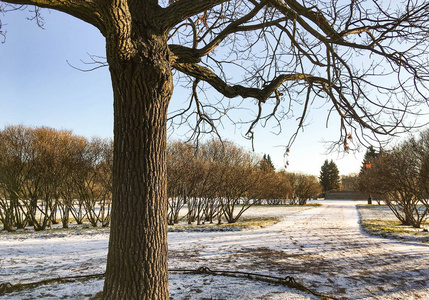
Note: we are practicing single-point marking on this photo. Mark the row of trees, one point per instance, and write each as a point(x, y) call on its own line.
point(400, 178)
point(218, 178)
point(47, 175)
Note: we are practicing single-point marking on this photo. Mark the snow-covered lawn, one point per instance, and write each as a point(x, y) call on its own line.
point(321, 247)
point(380, 220)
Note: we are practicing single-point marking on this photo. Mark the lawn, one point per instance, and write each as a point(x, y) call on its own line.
point(380, 220)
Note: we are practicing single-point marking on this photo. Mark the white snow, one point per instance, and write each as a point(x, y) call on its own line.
point(321, 247)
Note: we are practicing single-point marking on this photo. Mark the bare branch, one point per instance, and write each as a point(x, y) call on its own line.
point(367, 63)
point(96, 62)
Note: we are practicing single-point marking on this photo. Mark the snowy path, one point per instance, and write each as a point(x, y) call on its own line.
point(323, 248)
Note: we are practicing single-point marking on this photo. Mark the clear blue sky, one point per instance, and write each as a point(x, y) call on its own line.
point(39, 88)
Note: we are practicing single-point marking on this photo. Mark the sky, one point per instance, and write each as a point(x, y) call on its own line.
point(40, 87)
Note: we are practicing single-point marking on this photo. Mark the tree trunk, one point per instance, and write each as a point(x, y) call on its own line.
point(142, 85)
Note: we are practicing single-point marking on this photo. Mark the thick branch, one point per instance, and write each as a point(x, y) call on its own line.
point(85, 10)
point(183, 9)
point(182, 54)
point(316, 17)
point(229, 91)
point(296, 11)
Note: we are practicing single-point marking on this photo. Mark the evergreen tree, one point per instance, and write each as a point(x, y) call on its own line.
point(329, 176)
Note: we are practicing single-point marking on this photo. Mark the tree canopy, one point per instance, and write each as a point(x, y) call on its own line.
point(365, 59)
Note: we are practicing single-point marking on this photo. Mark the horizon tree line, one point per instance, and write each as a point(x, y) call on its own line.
point(50, 176)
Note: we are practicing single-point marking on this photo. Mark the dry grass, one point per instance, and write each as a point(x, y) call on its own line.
point(242, 224)
point(379, 220)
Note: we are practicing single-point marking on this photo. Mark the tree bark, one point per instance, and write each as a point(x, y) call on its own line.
point(142, 85)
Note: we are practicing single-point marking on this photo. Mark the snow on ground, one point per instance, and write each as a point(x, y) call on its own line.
point(182, 286)
point(321, 247)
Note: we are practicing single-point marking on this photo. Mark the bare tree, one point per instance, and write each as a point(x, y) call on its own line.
point(180, 171)
point(283, 187)
point(304, 187)
point(203, 186)
point(398, 178)
point(105, 182)
point(48, 162)
point(212, 159)
point(68, 190)
point(89, 180)
point(239, 170)
point(271, 187)
point(14, 170)
point(367, 59)
point(44, 171)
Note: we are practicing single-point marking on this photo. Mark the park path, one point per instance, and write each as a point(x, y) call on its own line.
point(322, 247)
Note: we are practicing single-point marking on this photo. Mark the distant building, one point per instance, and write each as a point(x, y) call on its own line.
point(344, 195)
